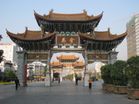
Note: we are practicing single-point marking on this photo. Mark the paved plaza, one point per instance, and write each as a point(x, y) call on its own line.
point(65, 93)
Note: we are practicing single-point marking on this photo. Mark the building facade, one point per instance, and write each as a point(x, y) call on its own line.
point(133, 36)
point(9, 54)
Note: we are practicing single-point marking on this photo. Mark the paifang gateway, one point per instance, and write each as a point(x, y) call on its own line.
point(58, 29)
point(65, 33)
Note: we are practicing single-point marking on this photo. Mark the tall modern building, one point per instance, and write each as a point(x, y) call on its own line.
point(133, 36)
point(9, 53)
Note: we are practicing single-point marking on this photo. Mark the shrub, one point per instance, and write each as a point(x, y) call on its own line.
point(133, 71)
point(118, 73)
point(106, 73)
point(1, 76)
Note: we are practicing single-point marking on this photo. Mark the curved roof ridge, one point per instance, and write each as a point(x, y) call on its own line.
point(60, 16)
point(24, 32)
point(29, 35)
point(67, 13)
point(56, 13)
point(101, 31)
point(97, 16)
point(103, 37)
point(33, 30)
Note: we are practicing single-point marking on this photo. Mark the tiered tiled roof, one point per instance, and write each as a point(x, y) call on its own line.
point(67, 57)
point(67, 17)
point(68, 22)
point(78, 64)
point(67, 64)
point(30, 35)
point(33, 40)
point(82, 24)
point(102, 36)
point(101, 40)
point(56, 64)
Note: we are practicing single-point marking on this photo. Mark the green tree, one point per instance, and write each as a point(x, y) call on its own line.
point(9, 75)
point(1, 57)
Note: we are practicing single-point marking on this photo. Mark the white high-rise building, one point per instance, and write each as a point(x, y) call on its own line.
point(9, 53)
point(133, 36)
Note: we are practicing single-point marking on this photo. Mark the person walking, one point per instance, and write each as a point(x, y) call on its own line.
point(76, 79)
point(17, 84)
point(90, 84)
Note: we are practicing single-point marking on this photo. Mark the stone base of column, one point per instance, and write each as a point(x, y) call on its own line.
point(86, 78)
point(47, 80)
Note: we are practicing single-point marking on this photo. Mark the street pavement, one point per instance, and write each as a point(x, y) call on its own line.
point(65, 93)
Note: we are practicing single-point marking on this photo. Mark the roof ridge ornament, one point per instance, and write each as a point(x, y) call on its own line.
point(51, 11)
point(34, 11)
point(42, 30)
point(109, 33)
point(84, 11)
point(26, 30)
point(6, 30)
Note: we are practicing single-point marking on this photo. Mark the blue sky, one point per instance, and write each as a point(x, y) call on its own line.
point(15, 15)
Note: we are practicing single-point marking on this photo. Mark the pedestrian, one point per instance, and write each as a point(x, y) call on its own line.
point(17, 84)
point(59, 80)
point(76, 79)
point(90, 84)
